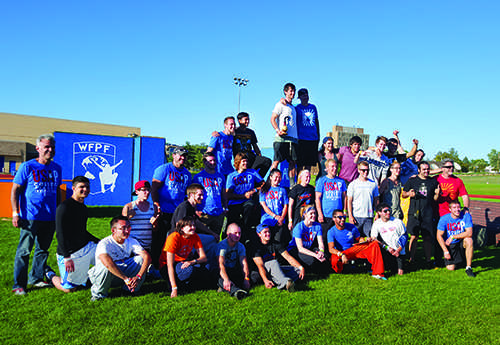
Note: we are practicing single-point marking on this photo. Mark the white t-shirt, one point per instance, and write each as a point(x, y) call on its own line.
point(362, 193)
point(115, 250)
point(286, 112)
point(390, 231)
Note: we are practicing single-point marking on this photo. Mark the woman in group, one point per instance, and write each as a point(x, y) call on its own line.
point(307, 242)
point(142, 214)
point(182, 258)
point(274, 202)
point(390, 190)
point(241, 188)
point(301, 195)
point(325, 153)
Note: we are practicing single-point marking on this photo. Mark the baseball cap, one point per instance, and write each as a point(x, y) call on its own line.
point(141, 184)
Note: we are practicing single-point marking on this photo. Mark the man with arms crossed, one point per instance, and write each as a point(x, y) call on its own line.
point(454, 234)
point(75, 245)
point(167, 191)
point(118, 258)
point(308, 131)
point(34, 199)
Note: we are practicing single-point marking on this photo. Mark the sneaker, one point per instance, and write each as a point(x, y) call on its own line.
point(220, 289)
point(240, 294)
point(19, 292)
point(41, 284)
point(290, 286)
point(154, 273)
point(49, 273)
point(96, 298)
point(379, 277)
point(469, 272)
point(430, 265)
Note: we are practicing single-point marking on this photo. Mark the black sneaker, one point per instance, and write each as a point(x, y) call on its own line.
point(469, 272)
point(240, 294)
point(49, 273)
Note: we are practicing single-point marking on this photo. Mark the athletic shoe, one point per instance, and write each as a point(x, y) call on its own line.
point(379, 277)
point(19, 292)
point(469, 272)
point(220, 289)
point(49, 273)
point(42, 284)
point(96, 298)
point(154, 273)
point(240, 294)
point(290, 286)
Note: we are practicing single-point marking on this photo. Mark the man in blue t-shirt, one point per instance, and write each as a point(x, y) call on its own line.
point(454, 234)
point(345, 243)
point(167, 192)
point(222, 146)
point(330, 195)
point(308, 131)
point(34, 199)
point(214, 204)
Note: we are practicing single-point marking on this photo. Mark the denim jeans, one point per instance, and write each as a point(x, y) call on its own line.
point(38, 233)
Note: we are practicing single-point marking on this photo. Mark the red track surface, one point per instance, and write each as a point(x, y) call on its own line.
point(485, 196)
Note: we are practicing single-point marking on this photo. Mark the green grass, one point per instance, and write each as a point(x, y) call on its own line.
point(422, 307)
point(482, 185)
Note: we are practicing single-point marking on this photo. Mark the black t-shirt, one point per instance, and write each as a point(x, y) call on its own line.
point(423, 204)
point(243, 141)
point(185, 209)
point(400, 157)
point(302, 196)
point(267, 252)
point(71, 227)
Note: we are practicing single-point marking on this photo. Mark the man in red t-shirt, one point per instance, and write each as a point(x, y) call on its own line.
point(451, 188)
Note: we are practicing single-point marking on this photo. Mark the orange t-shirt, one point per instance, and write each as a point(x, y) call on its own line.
point(180, 246)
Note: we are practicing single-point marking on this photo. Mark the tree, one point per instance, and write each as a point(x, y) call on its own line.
point(194, 160)
point(452, 154)
point(494, 158)
point(479, 165)
point(466, 165)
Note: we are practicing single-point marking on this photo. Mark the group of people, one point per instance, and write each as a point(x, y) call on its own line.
point(230, 227)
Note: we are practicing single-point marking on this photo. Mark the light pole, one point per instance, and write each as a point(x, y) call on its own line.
point(240, 82)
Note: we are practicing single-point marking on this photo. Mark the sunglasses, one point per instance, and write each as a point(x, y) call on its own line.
point(364, 170)
point(340, 217)
point(448, 166)
point(386, 210)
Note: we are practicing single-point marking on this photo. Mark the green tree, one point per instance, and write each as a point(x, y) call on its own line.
point(479, 165)
point(194, 162)
point(494, 158)
point(451, 154)
point(466, 165)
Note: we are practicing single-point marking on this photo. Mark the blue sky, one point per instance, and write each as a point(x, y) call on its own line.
point(427, 68)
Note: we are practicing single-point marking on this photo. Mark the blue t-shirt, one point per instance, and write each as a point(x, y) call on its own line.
point(331, 198)
point(213, 184)
point(231, 254)
point(408, 169)
point(40, 182)
point(343, 239)
point(223, 148)
point(275, 199)
point(175, 181)
point(240, 183)
point(452, 226)
point(285, 178)
point(307, 118)
point(306, 234)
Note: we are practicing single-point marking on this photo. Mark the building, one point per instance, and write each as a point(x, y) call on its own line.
point(18, 134)
point(341, 136)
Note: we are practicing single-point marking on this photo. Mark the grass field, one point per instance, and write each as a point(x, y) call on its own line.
point(421, 307)
point(482, 185)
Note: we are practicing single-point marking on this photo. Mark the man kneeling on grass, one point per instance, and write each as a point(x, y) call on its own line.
point(454, 234)
point(345, 244)
point(118, 258)
point(269, 270)
point(233, 264)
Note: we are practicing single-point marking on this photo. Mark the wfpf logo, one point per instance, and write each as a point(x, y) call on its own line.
point(97, 162)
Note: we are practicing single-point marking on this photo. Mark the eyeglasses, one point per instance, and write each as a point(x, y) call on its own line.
point(448, 166)
point(386, 210)
point(340, 217)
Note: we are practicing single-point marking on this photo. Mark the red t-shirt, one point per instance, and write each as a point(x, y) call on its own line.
point(180, 246)
point(451, 188)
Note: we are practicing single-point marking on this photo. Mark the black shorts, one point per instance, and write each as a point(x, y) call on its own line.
point(285, 151)
point(457, 252)
point(417, 228)
point(308, 152)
